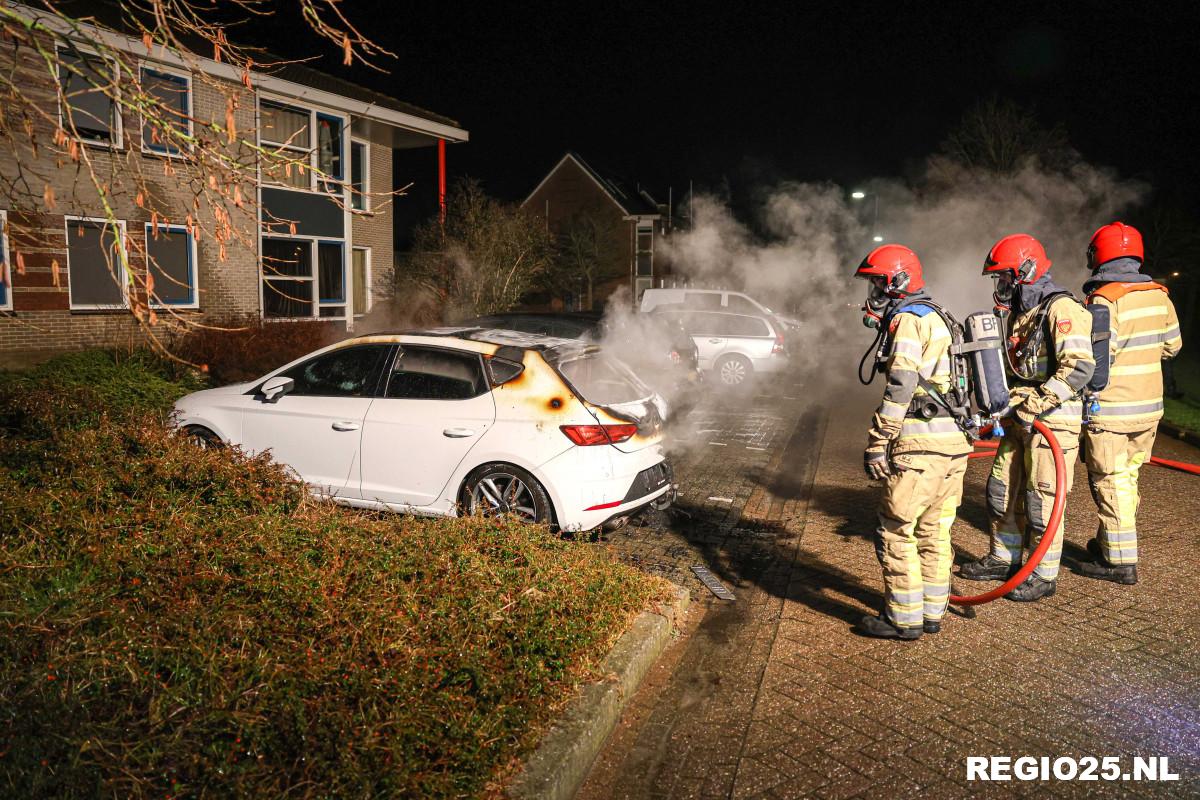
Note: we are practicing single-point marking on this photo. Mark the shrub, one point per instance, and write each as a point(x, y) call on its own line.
point(177, 621)
point(245, 349)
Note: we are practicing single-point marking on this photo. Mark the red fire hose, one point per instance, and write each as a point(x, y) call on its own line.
point(1056, 511)
point(1182, 466)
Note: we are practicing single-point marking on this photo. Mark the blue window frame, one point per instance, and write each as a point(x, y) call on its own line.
point(331, 279)
point(171, 262)
point(173, 93)
point(331, 145)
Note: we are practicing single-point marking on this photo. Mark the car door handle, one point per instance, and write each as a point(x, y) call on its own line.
point(346, 426)
point(714, 341)
point(458, 433)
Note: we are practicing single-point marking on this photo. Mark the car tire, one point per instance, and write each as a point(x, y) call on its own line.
point(733, 371)
point(204, 438)
point(490, 490)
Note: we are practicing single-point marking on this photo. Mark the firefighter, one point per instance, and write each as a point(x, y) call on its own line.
point(1120, 430)
point(1050, 362)
point(922, 455)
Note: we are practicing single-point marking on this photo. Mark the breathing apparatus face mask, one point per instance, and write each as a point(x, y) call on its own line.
point(1003, 289)
point(877, 301)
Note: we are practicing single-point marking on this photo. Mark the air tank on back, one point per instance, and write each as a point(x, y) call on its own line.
point(1101, 332)
point(987, 363)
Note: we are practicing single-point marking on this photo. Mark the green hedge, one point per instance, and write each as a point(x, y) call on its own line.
point(180, 622)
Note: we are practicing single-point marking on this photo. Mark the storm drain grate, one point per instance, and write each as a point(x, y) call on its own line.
point(712, 584)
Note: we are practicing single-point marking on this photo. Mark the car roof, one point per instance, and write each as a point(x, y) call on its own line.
point(568, 316)
point(481, 340)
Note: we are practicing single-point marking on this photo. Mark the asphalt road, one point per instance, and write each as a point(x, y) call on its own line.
point(772, 695)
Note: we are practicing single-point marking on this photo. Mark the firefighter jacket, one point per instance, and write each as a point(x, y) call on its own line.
point(1145, 330)
point(918, 358)
point(1053, 351)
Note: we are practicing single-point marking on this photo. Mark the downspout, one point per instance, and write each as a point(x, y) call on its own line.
point(442, 184)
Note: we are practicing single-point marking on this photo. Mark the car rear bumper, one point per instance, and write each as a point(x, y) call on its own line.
point(776, 362)
point(591, 485)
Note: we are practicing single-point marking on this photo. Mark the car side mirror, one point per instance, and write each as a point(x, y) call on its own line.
point(276, 388)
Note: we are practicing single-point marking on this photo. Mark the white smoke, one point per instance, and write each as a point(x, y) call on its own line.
point(816, 235)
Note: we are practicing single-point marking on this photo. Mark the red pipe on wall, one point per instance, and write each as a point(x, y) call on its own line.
point(442, 182)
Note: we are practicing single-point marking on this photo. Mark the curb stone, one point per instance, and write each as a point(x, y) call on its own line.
point(557, 768)
point(1183, 434)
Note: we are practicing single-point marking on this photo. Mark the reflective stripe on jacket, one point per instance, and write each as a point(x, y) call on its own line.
point(920, 348)
point(1145, 330)
point(1069, 332)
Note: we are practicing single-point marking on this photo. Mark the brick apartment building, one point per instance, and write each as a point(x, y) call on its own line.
point(57, 287)
point(629, 221)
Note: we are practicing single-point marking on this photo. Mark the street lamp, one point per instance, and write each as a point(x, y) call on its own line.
point(859, 194)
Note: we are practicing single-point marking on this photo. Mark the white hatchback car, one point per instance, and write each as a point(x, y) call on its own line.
point(439, 421)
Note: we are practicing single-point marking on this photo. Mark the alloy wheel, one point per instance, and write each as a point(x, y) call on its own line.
point(733, 372)
point(503, 493)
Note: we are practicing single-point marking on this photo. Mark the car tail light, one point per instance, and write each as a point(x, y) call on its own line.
point(778, 349)
point(675, 357)
point(586, 435)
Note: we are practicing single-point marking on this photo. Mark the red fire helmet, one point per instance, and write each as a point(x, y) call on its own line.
point(1019, 253)
point(898, 264)
point(1114, 240)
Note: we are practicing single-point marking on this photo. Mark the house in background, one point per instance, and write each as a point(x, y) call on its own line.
point(334, 237)
point(627, 224)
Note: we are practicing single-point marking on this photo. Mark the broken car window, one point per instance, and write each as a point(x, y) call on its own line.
point(421, 373)
point(350, 372)
point(502, 370)
point(601, 381)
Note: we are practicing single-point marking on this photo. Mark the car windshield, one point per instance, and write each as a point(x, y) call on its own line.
point(603, 381)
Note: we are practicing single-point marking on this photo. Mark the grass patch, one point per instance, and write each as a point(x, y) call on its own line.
point(1184, 411)
point(179, 622)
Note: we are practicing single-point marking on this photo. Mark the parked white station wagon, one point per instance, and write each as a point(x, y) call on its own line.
point(454, 419)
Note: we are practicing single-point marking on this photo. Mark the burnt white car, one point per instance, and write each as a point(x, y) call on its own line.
point(450, 420)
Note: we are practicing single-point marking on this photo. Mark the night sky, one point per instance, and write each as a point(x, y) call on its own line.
point(663, 93)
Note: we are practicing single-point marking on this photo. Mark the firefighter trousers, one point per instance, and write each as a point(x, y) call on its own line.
point(913, 539)
point(1113, 462)
point(1020, 494)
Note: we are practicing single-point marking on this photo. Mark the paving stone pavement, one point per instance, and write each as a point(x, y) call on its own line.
point(772, 696)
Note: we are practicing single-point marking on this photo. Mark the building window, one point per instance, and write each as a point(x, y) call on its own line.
point(360, 175)
point(287, 129)
point(360, 272)
point(331, 280)
point(303, 278)
point(87, 109)
point(287, 278)
point(96, 278)
point(173, 91)
point(645, 251)
point(5, 269)
point(311, 141)
point(171, 264)
point(329, 146)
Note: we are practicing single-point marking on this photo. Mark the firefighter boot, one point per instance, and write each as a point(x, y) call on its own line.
point(931, 626)
point(1100, 569)
point(1124, 574)
point(988, 568)
point(1032, 588)
point(882, 628)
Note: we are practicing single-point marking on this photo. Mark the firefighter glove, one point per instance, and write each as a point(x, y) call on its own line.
point(875, 463)
point(1030, 404)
